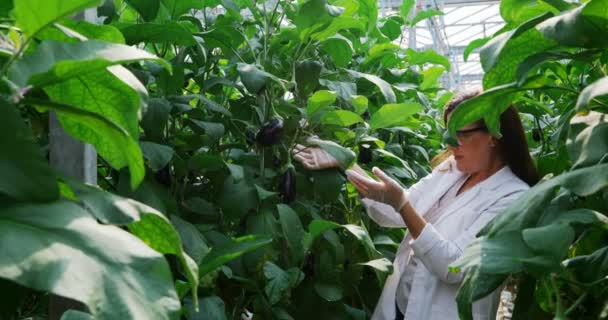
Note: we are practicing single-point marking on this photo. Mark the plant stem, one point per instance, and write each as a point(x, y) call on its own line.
point(576, 303)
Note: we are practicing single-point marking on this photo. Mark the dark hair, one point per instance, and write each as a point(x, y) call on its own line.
point(512, 146)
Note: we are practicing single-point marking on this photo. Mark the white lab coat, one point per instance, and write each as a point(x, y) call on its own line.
point(433, 291)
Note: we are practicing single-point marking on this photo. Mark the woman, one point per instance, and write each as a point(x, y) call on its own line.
point(442, 213)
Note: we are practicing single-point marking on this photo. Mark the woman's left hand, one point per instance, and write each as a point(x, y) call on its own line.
point(386, 190)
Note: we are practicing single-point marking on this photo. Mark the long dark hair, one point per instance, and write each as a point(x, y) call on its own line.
point(512, 146)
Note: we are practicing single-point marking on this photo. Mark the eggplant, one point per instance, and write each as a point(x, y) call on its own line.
point(270, 132)
point(365, 154)
point(536, 134)
point(287, 185)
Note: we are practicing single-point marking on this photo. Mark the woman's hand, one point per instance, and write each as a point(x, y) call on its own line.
point(314, 158)
point(386, 190)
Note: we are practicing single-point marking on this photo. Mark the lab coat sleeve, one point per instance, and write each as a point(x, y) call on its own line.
point(437, 253)
point(385, 216)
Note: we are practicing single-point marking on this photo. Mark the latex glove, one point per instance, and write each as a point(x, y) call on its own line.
point(386, 190)
point(314, 158)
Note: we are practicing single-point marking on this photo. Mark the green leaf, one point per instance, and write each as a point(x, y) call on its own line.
point(574, 217)
point(588, 139)
point(340, 49)
point(550, 240)
point(24, 173)
point(307, 74)
point(111, 271)
point(254, 78)
point(431, 75)
point(427, 56)
point(320, 101)
point(517, 11)
point(327, 185)
point(214, 130)
point(158, 155)
point(335, 26)
point(103, 93)
point(73, 31)
point(360, 104)
point(392, 27)
point(34, 15)
point(591, 267)
point(425, 14)
point(148, 9)
point(178, 7)
point(292, 231)
point(277, 282)
point(111, 141)
point(76, 315)
point(310, 13)
point(406, 8)
point(344, 155)
point(489, 105)
point(220, 255)
point(342, 118)
point(503, 253)
point(155, 119)
point(329, 291)
point(580, 27)
point(145, 222)
point(477, 43)
point(596, 89)
point(475, 286)
point(384, 86)
point(54, 62)
point(526, 212)
point(392, 114)
point(492, 50)
point(382, 265)
point(211, 307)
point(237, 189)
point(176, 33)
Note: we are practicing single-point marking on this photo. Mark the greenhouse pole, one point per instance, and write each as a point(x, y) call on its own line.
point(76, 160)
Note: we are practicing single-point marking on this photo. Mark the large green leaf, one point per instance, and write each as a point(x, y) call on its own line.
point(427, 56)
point(393, 114)
point(580, 27)
point(71, 31)
point(111, 141)
point(342, 118)
point(242, 189)
point(596, 89)
point(277, 282)
point(591, 267)
point(220, 255)
point(475, 286)
point(114, 273)
point(517, 11)
point(477, 43)
point(526, 211)
point(307, 76)
point(147, 8)
point(33, 15)
point(178, 7)
point(588, 139)
point(425, 14)
point(53, 62)
point(340, 49)
point(320, 101)
point(169, 32)
point(292, 231)
point(255, 79)
point(24, 173)
point(491, 51)
point(143, 221)
point(158, 155)
point(103, 93)
point(384, 86)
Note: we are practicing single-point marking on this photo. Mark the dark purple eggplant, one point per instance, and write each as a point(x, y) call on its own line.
point(365, 154)
point(250, 137)
point(270, 132)
point(287, 185)
point(536, 135)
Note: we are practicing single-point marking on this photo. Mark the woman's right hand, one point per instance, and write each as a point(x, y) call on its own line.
point(314, 158)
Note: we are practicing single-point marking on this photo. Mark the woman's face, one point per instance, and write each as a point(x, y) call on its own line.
point(476, 151)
